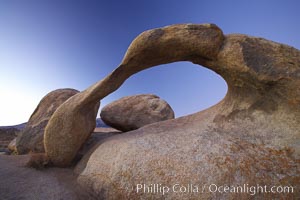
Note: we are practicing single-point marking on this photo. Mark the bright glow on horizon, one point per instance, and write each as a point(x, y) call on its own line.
point(16, 106)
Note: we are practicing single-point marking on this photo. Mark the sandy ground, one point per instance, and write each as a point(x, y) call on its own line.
point(18, 182)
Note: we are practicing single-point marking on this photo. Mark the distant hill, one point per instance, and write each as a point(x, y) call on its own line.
point(18, 126)
point(99, 123)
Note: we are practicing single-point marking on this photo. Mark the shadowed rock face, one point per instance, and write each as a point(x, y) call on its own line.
point(251, 137)
point(32, 136)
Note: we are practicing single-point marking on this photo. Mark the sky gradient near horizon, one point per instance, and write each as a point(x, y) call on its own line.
point(46, 45)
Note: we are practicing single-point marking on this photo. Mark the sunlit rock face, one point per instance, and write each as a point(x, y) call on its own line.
point(250, 138)
point(133, 112)
point(68, 129)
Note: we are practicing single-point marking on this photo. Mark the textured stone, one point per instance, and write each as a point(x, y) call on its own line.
point(69, 128)
point(96, 138)
point(133, 112)
point(31, 137)
point(251, 137)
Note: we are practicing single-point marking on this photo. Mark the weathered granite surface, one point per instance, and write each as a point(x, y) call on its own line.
point(133, 112)
point(251, 137)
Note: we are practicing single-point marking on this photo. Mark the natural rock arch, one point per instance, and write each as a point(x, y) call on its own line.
point(262, 77)
point(184, 85)
point(71, 125)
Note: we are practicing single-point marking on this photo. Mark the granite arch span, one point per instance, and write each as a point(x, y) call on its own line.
point(254, 128)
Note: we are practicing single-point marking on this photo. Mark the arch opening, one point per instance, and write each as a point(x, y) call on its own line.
point(187, 87)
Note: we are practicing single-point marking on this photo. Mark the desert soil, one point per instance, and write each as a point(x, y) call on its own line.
point(19, 182)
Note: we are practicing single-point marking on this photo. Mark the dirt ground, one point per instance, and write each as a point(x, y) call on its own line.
point(18, 182)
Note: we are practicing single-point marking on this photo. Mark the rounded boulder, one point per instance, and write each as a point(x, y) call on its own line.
point(31, 137)
point(132, 112)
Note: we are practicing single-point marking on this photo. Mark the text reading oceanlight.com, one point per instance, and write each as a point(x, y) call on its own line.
point(211, 188)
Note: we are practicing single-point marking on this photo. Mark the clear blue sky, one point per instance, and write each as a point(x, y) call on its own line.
point(46, 45)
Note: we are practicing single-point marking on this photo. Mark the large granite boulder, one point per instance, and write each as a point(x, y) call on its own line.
point(133, 112)
point(31, 137)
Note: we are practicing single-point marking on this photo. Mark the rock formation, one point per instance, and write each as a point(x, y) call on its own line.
point(32, 136)
point(133, 112)
point(75, 120)
point(251, 137)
